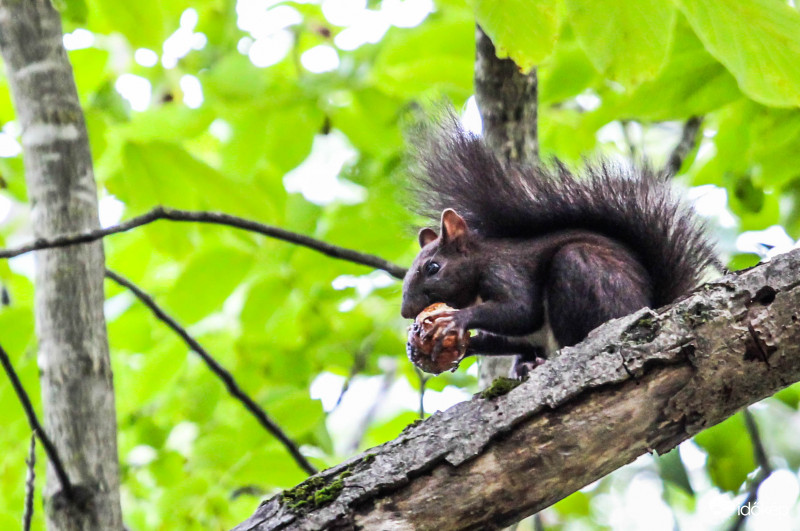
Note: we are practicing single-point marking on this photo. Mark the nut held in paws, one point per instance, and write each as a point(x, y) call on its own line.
point(423, 335)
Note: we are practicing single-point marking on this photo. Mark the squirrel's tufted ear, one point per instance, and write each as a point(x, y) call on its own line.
point(426, 236)
point(454, 228)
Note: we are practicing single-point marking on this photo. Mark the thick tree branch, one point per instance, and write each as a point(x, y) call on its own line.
point(216, 218)
point(36, 426)
point(643, 383)
point(227, 378)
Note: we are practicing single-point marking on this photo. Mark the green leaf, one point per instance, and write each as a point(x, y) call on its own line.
point(730, 453)
point(627, 42)
point(789, 396)
point(567, 72)
point(743, 261)
point(160, 173)
point(12, 174)
point(261, 136)
point(523, 30)
point(16, 323)
point(576, 504)
point(180, 121)
point(73, 10)
point(435, 57)
point(369, 118)
point(233, 78)
point(89, 65)
point(672, 469)
point(141, 22)
point(207, 281)
point(568, 133)
point(296, 413)
point(756, 40)
point(691, 83)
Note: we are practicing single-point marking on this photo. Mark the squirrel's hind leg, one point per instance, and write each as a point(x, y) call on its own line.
point(591, 283)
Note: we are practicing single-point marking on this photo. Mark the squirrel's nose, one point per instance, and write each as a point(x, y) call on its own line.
point(408, 309)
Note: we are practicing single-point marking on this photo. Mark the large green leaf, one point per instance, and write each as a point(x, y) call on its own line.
point(730, 453)
point(436, 57)
point(523, 30)
point(626, 41)
point(567, 72)
point(141, 22)
point(692, 82)
point(756, 40)
point(161, 173)
point(208, 280)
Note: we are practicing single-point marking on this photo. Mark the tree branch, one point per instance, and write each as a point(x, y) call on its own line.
point(686, 144)
point(72, 344)
point(764, 470)
point(219, 370)
point(30, 485)
point(33, 421)
point(507, 100)
point(642, 383)
point(216, 218)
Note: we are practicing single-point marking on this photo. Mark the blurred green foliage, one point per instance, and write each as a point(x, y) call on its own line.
point(613, 79)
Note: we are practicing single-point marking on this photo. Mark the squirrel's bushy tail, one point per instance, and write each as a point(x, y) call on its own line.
point(636, 206)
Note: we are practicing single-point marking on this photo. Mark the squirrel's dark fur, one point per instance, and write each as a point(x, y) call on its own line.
point(627, 223)
point(636, 207)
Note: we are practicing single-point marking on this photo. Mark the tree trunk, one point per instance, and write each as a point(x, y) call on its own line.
point(77, 388)
point(507, 100)
point(643, 383)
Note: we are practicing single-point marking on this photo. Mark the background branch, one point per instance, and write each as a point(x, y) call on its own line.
point(219, 370)
point(688, 141)
point(30, 484)
point(764, 469)
point(216, 218)
point(38, 430)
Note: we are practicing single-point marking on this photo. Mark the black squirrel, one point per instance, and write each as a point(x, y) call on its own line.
point(535, 258)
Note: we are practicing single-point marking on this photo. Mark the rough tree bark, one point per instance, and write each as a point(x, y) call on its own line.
point(639, 384)
point(508, 104)
point(77, 389)
point(507, 100)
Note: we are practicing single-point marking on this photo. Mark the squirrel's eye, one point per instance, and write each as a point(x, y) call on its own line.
point(431, 268)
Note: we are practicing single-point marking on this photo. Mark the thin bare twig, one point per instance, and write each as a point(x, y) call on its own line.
point(369, 416)
point(764, 469)
point(688, 141)
point(216, 218)
point(423, 380)
point(30, 483)
point(626, 135)
point(219, 370)
point(38, 430)
point(359, 363)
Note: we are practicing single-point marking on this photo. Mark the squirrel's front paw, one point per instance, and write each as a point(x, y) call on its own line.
point(448, 332)
point(437, 341)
